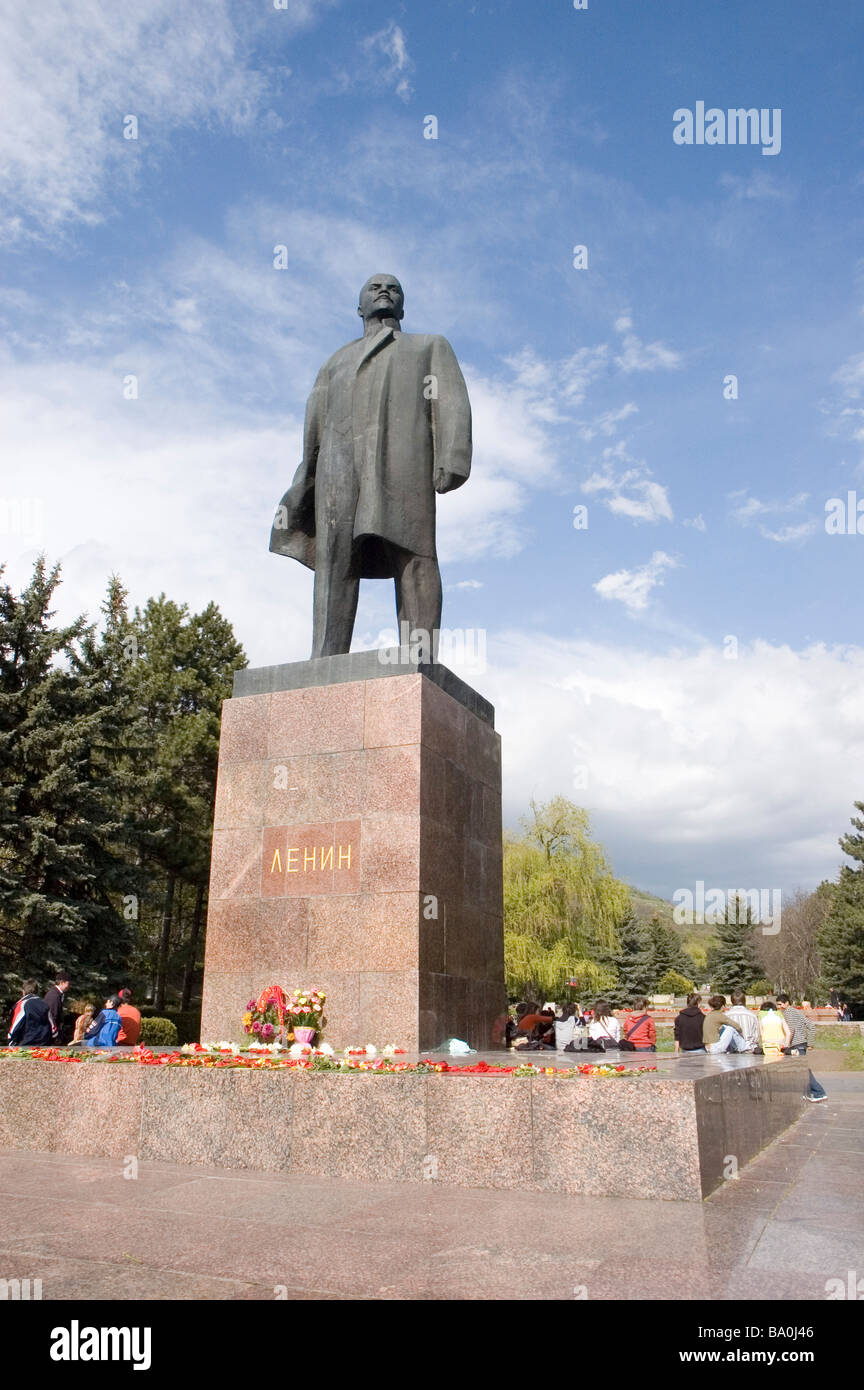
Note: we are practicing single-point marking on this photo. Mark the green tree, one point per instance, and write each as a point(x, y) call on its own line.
point(631, 963)
point(62, 832)
point(184, 671)
point(665, 952)
point(841, 939)
point(674, 983)
point(562, 903)
point(733, 961)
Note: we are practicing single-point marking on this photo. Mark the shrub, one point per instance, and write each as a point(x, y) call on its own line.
point(674, 983)
point(158, 1032)
point(761, 988)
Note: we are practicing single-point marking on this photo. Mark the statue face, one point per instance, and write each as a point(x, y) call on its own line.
point(382, 297)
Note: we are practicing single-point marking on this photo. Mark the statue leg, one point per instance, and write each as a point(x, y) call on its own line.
point(336, 591)
point(418, 593)
point(337, 577)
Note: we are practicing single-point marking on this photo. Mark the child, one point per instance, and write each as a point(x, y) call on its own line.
point(82, 1023)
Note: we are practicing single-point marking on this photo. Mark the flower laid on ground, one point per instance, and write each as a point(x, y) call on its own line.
point(312, 1059)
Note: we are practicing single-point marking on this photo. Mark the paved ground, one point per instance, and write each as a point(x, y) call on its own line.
point(793, 1220)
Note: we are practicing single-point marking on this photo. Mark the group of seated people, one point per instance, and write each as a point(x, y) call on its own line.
point(777, 1027)
point(574, 1029)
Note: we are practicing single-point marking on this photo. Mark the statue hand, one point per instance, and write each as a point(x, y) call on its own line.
point(446, 482)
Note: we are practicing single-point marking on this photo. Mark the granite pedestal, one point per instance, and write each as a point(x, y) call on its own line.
point(357, 849)
point(674, 1135)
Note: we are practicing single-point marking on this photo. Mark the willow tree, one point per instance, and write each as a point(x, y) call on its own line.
point(562, 904)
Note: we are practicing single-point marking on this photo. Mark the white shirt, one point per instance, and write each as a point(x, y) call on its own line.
point(564, 1030)
point(748, 1023)
point(609, 1028)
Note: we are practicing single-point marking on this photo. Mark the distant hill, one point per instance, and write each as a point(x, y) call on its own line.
point(695, 937)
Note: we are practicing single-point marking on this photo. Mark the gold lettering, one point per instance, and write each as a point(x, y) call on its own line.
point(327, 858)
point(346, 857)
point(308, 859)
point(276, 860)
point(289, 867)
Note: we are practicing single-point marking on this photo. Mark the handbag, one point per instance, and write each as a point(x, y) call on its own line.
point(625, 1044)
point(612, 1042)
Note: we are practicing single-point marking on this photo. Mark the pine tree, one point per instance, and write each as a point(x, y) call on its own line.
point(665, 952)
point(733, 962)
point(59, 858)
point(841, 940)
point(631, 962)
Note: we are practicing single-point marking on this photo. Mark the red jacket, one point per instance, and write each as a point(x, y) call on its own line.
point(643, 1036)
point(130, 1025)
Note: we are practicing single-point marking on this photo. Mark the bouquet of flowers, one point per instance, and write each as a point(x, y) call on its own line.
point(305, 1009)
point(265, 1016)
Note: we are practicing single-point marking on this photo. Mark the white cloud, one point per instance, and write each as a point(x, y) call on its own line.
point(631, 493)
point(607, 423)
point(689, 771)
point(851, 376)
point(554, 387)
point(636, 356)
point(759, 186)
point(390, 42)
point(697, 522)
point(785, 534)
point(71, 73)
point(161, 491)
point(633, 588)
point(512, 453)
point(747, 509)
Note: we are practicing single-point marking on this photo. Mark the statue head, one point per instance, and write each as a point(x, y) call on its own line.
point(382, 297)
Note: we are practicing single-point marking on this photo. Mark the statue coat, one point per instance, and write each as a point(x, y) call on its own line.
point(388, 420)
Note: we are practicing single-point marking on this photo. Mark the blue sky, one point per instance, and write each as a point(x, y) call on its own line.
point(608, 648)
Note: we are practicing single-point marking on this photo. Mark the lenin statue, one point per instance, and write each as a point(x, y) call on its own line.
point(388, 424)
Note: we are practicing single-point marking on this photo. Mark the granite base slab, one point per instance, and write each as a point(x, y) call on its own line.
point(676, 1134)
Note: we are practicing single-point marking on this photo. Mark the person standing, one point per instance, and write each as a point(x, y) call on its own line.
point(31, 1022)
point(800, 1029)
point(747, 1021)
point(54, 998)
point(688, 1026)
point(130, 1020)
